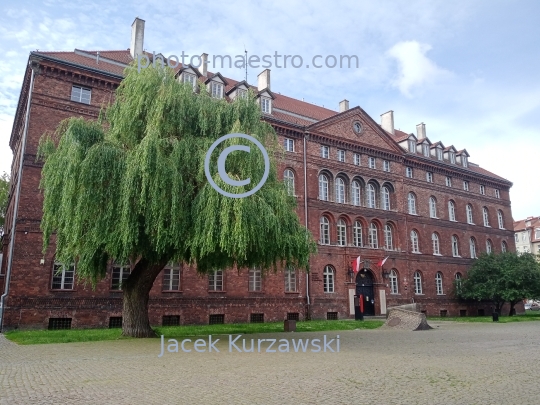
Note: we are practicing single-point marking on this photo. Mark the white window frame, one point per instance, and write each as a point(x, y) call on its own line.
point(448, 181)
point(289, 145)
point(388, 238)
point(432, 207)
point(469, 211)
point(341, 155)
point(65, 278)
point(371, 196)
point(497, 193)
point(356, 159)
point(385, 198)
point(81, 94)
point(500, 220)
point(216, 90)
point(356, 193)
point(266, 105)
point(328, 279)
point(464, 161)
point(371, 163)
point(485, 215)
point(342, 232)
point(411, 203)
point(455, 246)
point(504, 247)
point(171, 273)
point(324, 223)
point(465, 185)
point(288, 179)
point(325, 152)
point(412, 145)
point(290, 279)
point(122, 277)
point(415, 247)
point(429, 177)
point(255, 280)
point(435, 242)
point(425, 149)
point(482, 189)
point(323, 187)
point(472, 248)
point(215, 281)
point(357, 234)
point(189, 78)
point(393, 282)
point(439, 154)
point(386, 165)
point(489, 246)
point(409, 172)
point(373, 237)
point(439, 283)
point(451, 211)
point(417, 283)
point(452, 156)
point(340, 190)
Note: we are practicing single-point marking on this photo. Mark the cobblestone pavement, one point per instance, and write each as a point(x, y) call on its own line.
point(455, 363)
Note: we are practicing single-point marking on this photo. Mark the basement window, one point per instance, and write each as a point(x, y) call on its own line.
point(217, 319)
point(81, 94)
point(59, 323)
point(256, 318)
point(331, 316)
point(170, 320)
point(115, 322)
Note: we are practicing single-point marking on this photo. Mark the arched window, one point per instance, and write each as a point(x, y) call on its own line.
point(393, 282)
point(489, 246)
point(414, 242)
point(438, 283)
point(504, 247)
point(372, 236)
point(486, 216)
point(457, 279)
point(385, 198)
point(455, 246)
point(357, 233)
point(341, 233)
point(288, 179)
point(323, 187)
point(356, 190)
point(432, 207)
point(417, 282)
point(500, 219)
point(472, 247)
point(371, 196)
point(340, 190)
point(325, 231)
point(451, 211)
point(436, 245)
point(411, 200)
point(388, 242)
point(328, 279)
point(469, 214)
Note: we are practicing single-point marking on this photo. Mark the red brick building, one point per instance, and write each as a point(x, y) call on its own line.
point(363, 189)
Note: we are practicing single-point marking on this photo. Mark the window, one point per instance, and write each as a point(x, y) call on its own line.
point(417, 282)
point(289, 145)
point(455, 246)
point(371, 162)
point(432, 207)
point(215, 281)
point(81, 94)
point(325, 152)
point(457, 279)
point(341, 155)
point(414, 242)
point(486, 216)
point(438, 283)
point(356, 191)
point(256, 318)
point(189, 78)
point(288, 179)
point(448, 181)
point(393, 282)
point(408, 172)
point(429, 177)
point(254, 280)
point(59, 323)
point(489, 247)
point(464, 161)
point(115, 322)
point(482, 189)
point(266, 105)
point(452, 157)
point(241, 93)
point(357, 234)
point(439, 154)
point(411, 200)
point(412, 145)
point(385, 198)
point(63, 277)
point(171, 277)
point(217, 91)
point(325, 231)
point(472, 248)
point(466, 185)
point(388, 242)
point(468, 208)
point(342, 233)
point(451, 211)
point(290, 279)
point(516, 237)
point(497, 193)
point(119, 275)
point(371, 196)
point(536, 231)
point(340, 190)
point(386, 165)
point(372, 236)
point(216, 319)
point(425, 149)
point(323, 187)
point(169, 320)
point(500, 220)
point(435, 243)
point(504, 246)
point(356, 159)
point(328, 279)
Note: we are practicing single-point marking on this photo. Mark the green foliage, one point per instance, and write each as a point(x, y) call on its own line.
point(4, 193)
point(504, 277)
point(133, 185)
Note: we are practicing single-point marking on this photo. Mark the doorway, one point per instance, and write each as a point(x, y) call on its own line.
point(364, 287)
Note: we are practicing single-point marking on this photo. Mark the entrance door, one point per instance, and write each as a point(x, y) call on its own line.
point(364, 287)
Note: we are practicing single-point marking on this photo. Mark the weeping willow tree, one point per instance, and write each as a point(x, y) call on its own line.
point(131, 188)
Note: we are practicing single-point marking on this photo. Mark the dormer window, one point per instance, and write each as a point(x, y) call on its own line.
point(189, 78)
point(216, 90)
point(266, 105)
point(241, 93)
point(452, 156)
point(439, 154)
point(464, 161)
point(425, 149)
point(412, 146)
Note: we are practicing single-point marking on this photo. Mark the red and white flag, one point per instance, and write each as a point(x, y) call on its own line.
point(356, 265)
point(382, 261)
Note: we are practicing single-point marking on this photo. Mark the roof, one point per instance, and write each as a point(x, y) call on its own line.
point(534, 223)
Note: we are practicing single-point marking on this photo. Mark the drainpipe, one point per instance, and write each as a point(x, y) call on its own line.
point(16, 207)
point(306, 219)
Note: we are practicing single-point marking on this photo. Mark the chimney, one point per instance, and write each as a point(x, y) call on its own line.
point(264, 80)
point(343, 105)
point(421, 131)
point(137, 38)
point(204, 65)
point(387, 121)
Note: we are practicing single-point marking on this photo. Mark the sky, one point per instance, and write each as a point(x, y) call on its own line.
point(468, 70)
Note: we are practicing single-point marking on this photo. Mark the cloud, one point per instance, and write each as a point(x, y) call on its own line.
point(415, 68)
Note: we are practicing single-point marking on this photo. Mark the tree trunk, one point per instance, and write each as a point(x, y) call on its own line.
point(135, 322)
point(512, 305)
point(498, 306)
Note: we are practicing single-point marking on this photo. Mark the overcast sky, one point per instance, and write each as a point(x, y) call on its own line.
point(468, 70)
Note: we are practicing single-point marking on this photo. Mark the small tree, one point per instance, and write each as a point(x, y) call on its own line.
point(4, 193)
point(133, 189)
point(505, 277)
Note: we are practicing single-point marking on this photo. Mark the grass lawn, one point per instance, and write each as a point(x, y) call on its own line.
point(529, 316)
point(31, 337)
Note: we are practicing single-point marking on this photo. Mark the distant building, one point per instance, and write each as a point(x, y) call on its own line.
point(527, 235)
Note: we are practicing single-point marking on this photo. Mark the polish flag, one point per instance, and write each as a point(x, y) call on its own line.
point(356, 265)
point(383, 261)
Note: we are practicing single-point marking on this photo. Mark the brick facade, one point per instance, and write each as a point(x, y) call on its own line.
point(32, 301)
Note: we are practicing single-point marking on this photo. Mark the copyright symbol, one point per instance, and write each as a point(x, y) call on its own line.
point(221, 165)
